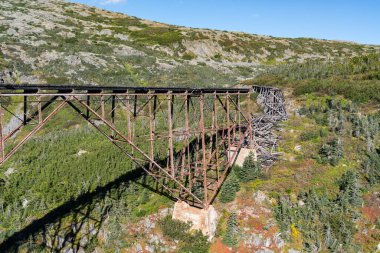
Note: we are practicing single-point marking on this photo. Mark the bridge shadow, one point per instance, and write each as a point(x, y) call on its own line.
point(75, 224)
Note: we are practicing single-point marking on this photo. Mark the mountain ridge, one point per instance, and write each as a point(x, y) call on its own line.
point(61, 42)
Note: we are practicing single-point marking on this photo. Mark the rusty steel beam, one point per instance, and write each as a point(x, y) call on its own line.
point(111, 139)
point(25, 108)
point(2, 150)
point(204, 164)
point(19, 127)
point(116, 89)
point(170, 127)
point(31, 133)
point(146, 156)
point(202, 130)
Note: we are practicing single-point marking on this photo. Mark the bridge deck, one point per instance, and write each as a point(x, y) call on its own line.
point(98, 89)
point(201, 130)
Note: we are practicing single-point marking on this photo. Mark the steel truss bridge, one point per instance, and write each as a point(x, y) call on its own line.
point(185, 139)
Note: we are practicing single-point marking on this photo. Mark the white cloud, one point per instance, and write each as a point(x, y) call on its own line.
point(111, 2)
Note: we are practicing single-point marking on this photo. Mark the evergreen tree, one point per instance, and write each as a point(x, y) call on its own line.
point(229, 188)
point(331, 152)
point(144, 198)
point(371, 167)
point(356, 125)
point(349, 188)
point(234, 181)
point(231, 237)
point(251, 169)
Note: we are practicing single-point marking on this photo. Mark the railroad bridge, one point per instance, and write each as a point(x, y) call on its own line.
point(186, 139)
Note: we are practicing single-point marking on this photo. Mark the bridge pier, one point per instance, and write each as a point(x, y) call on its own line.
point(243, 153)
point(204, 220)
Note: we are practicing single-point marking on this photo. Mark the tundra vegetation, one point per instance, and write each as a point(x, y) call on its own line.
point(322, 195)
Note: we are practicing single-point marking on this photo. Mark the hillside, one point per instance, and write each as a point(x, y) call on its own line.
point(70, 190)
point(60, 42)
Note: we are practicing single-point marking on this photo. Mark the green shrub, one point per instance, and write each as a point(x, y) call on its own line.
point(158, 35)
point(371, 167)
point(189, 56)
point(323, 132)
point(331, 152)
point(309, 135)
point(231, 238)
point(326, 224)
point(174, 229)
point(189, 241)
point(217, 57)
point(71, 40)
point(355, 78)
point(349, 188)
point(229, 188)
point(251, 169)
point(195, 243)
point(3, 63)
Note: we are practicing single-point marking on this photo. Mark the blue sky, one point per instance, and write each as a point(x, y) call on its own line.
point(351, 20)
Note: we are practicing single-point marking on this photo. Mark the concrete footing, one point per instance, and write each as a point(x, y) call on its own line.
point(244, 152)
point(204, 220)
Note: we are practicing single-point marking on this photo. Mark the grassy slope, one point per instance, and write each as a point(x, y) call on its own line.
point(356, 78)
point(60, 42)
point(311, 86)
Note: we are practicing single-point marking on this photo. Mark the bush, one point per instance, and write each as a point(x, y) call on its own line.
point(349, 188)
point(324, 224)
point(309, 135)
point(371, 167)
point(174, 229)
point(356, 78)
point(195, 243)
point(189, 56)
point(3, 63)
point(158, 35)
point(229, 188)
point(189, 242)
point(231, 237)
point(331, 152)
point(251, 169)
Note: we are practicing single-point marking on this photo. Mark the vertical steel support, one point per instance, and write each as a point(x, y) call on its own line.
point(88, 101)
point(228, 123)
point(152, 119)
point(216, 135)
point(238, 112)
point(187, 135)
point(204, 163)
point(234, 111)
point(102, 106)
point(25, 110)
point(39, 109)
point(2, 149)
point(113, 107)
point(170, 137)
point(135, 107)
point(249, 103)
point(182, 168)
point(128, 115)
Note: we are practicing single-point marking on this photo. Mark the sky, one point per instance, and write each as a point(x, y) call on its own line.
point(347, 20)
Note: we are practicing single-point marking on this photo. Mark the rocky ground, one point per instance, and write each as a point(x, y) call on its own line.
point(59, 42)
point(259, 232)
